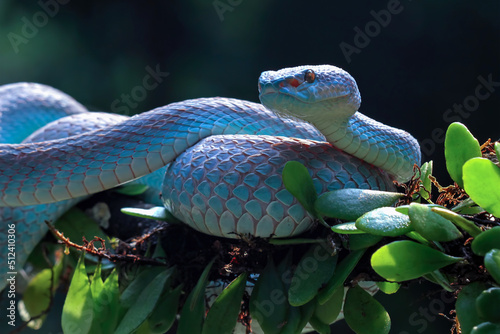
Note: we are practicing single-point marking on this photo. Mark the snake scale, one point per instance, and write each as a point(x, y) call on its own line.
point(221, 158)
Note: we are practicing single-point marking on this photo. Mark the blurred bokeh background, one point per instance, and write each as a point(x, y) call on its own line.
point(419, 64)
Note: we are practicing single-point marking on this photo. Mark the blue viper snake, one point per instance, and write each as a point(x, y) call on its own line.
point(221, 158)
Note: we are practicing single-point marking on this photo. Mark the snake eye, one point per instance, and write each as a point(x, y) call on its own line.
point(309, 76)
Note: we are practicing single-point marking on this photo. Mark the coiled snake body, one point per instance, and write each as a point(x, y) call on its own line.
point(224, 156)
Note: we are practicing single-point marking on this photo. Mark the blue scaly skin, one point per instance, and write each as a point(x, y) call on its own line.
point(233, 185)
point(225, 171)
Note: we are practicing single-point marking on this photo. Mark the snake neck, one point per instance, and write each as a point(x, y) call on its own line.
point(388, 148)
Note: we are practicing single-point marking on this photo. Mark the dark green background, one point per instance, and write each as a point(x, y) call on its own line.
point(427, 58)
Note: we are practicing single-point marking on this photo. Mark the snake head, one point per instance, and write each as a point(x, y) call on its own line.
point(311, 93)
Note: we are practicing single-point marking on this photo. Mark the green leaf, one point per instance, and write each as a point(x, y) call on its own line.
point(330, 310)
point(315, 268)
point(405, 209)
point(497, 150)
point(96, 287)
point(486, 241)
point(426, 171)
point(388, 287)
point(352, 203)
point(133, 189)
point(96, 283)
point(165, 311)
point(347, 228)
point(306, 312)
point(458, 220)
point(492, 264)
point(360, 241)
point(143, 328)
point(144, 305)
point(486, 328)
point(268, 303)
point(466, 306)
point(78, 310)
point(159, 252)
point(466, 203)
point(459, 146)
point(299, 183)
point(417, 237)
point(488, 305)
point(200, 288)
point(293, 320)
point(385, 222)
point(405, 260)
point(319, 326)
point(223, 313)
point(107, 303)
point(156, 213)
point(340, 275)
point(297, 318)
point(193, 311)
point(36, 297)
point(285, 265)
point(364, 314)
point(39, 255)
point(135, 288)
point(471, 210)
point(431, 225)
point(441, 279)
point(482, 184)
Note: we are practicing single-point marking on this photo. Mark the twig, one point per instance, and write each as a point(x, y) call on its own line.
point(89, 247)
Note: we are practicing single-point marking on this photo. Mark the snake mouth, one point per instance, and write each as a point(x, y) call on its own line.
point(285, 104)
point(283, 88)
point(302, 95)
point(268, 91)
point(299, 91)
